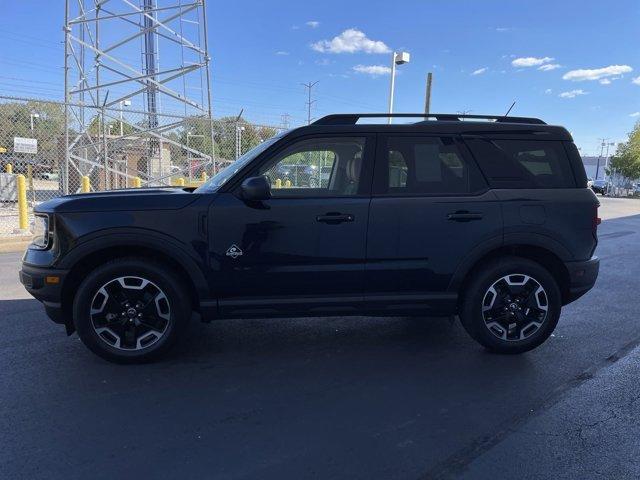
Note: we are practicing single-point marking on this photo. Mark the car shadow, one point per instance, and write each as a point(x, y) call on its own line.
point(337, 346)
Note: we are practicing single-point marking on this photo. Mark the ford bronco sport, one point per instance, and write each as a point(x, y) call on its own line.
point(487, 218)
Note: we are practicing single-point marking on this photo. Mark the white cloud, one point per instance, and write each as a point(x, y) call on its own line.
point(530, 61)
point(548, 91)
point(479, 71)
point(373, 70)
point(323, 62)
point(596, 73)
point(573, 93)
point(634, 114)
point(549, 66)
point(605, 81)
point(351, 41)
point(636, 80)
point(312, 24)
point(503, 29)
point(282, 52)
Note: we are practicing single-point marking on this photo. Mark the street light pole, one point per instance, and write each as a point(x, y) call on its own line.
point(393, 83)
point(123, 103)
point(397, 58)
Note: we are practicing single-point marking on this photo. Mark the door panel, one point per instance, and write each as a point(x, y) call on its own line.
point(430, 208)
point(303, 250)
point(414, 245)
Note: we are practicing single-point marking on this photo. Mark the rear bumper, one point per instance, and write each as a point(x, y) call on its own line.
point(41, 283)
point(582, 277)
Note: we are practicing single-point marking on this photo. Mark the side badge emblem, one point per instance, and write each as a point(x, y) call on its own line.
point(234, 251)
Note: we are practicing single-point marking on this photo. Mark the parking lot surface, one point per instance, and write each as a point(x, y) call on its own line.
point(388, 398)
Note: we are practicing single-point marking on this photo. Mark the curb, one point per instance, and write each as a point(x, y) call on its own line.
point(16, 244)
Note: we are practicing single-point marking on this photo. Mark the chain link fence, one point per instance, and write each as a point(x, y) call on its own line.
point(107, 149)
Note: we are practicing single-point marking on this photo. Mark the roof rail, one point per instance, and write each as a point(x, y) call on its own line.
point(352, 118)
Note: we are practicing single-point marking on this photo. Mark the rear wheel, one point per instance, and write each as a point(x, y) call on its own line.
point(511, 305)
point(131, 310)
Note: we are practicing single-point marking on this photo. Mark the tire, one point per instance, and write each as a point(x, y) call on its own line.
point(511, 305)
point(131, 310)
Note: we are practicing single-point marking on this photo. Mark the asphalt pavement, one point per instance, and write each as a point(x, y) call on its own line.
point(344, 398)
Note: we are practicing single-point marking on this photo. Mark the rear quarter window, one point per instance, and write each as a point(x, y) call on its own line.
point(523, 163)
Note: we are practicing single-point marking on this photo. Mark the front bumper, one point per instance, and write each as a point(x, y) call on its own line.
point(582, 277)
point(45, 285)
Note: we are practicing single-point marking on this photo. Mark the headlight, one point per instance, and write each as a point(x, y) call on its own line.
point(40, 229)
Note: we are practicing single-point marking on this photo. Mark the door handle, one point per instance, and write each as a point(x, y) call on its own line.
point(333, 218)
point(464, 216)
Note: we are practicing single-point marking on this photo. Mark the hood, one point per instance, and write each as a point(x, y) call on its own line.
point(120, 200)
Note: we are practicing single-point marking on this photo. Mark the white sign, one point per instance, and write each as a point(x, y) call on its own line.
point(25, 145)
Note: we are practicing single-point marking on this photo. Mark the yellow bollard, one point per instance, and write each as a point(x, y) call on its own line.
point(278, 183)
point(86, 184)
point(137, 182)
point(204, 177)
point(287, 183)
point(179, 182)
point(23, 217)
point(9, 168)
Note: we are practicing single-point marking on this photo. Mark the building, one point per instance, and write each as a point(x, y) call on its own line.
point(593, 164)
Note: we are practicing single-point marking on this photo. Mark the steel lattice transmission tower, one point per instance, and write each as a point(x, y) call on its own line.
point(137, 82)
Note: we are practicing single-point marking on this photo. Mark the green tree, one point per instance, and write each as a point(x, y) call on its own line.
point(48, 129)
point(625, 164)
point(226, 130)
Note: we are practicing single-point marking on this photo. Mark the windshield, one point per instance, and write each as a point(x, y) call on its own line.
point(215, 182)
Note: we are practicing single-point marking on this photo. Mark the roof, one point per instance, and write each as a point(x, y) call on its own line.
point(506, 127)
point(352, 118)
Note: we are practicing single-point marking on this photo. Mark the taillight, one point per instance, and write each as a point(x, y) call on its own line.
point(596, 219)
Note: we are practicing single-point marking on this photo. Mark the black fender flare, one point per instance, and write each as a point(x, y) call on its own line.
point(511, 239)
point(151, 239)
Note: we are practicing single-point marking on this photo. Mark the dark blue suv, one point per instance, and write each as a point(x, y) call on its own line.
point(487, 218)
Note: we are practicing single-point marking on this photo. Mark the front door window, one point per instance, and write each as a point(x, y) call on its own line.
point(319, 167)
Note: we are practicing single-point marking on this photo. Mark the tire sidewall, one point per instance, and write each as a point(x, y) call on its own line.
point(165, 279)
point(471, 311)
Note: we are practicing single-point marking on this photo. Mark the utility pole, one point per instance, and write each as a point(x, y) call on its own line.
point(310, 102)
point(607, 157)
point(284, 120)
point(602, 144)
point(464, 112)
point(427, 98)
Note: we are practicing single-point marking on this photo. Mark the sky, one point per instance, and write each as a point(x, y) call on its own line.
point(574, 63)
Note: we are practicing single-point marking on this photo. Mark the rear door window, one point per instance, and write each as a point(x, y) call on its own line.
point(523, 163)
point(412, 165)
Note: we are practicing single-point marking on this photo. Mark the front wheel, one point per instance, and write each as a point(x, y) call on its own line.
point(131, 310)
point(511, 305)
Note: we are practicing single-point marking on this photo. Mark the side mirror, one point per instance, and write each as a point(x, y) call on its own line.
point(256, 188)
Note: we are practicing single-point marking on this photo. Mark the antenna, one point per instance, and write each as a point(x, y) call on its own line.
point(507, 114)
